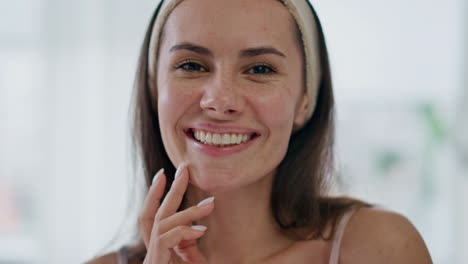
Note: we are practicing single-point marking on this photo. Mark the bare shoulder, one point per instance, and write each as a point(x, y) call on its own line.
point(380, 236)
point(110, 258)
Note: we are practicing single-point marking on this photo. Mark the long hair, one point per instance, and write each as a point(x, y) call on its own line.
point(299, 197)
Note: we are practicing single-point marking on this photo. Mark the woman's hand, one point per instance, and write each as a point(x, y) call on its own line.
point(168, 235)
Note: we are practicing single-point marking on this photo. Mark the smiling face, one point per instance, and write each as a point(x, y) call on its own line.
point(230, 89)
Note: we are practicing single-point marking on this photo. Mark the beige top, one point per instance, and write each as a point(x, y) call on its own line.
point(124, 254)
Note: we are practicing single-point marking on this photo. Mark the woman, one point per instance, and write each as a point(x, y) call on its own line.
point(237, 95)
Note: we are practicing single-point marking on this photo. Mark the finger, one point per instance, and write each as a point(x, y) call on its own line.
point(188, 251)
point(175, 195)
point(187, 216)
point(151, 205)
point(176, 235)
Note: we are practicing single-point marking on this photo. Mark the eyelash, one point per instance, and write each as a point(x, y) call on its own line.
point(181, 65)
point(270, 68)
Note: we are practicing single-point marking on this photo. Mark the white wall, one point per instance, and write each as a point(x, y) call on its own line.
point(66, 73)
point(394, 62)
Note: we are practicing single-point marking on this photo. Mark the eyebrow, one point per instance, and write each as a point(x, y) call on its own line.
point(192, 47)
point(247, 53)
point(252, 52)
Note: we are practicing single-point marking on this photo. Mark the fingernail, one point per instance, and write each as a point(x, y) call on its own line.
point(179, 170)
point(157, 176)
point(205, 202)
point(198, 227)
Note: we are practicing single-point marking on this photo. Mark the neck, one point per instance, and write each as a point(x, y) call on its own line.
point(241, 229)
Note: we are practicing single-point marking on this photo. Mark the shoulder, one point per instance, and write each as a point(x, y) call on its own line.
point(110, 258)
point(380, 236)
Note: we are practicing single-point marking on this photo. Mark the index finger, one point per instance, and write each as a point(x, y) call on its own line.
point(151, 205)
point(175, 195)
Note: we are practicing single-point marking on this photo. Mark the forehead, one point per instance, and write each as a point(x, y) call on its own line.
point(231, 23)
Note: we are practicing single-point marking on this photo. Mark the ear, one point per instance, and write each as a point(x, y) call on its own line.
point(301, 111)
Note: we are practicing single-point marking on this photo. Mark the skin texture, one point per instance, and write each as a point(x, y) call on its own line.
point(223, 92)
point(224, 89)
point(384, 237)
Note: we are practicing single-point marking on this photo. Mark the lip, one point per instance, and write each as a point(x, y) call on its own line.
point(223, 129)
point(219, 152)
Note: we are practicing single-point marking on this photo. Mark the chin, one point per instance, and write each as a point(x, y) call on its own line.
point(212, 180)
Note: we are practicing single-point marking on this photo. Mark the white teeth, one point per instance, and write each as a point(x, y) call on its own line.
point(238, 139)
point(220, 139)
point(234, 139)
point(226, 139)
point(216, 139)
point(208, 138)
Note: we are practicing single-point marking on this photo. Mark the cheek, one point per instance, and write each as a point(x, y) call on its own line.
point(277, 111)
point(174, 104)
point(167, 111)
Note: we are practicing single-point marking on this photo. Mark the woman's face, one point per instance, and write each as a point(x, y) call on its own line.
point(230, 89)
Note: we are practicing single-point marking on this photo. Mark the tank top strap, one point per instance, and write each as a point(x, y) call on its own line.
point(123, 255)
point(131, 254)
point(335, 251)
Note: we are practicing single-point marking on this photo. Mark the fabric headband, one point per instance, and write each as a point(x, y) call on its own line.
point(302, 13)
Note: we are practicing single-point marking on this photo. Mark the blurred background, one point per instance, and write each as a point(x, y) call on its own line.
point(66, 73)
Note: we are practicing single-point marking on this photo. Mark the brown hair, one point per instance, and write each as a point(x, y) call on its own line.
point(299, 195)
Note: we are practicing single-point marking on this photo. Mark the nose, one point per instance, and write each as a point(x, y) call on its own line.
point(222, 99)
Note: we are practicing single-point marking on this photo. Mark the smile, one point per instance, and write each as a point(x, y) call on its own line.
point(220, 139)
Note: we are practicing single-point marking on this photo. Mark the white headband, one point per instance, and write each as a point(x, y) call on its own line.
point(304, 17)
